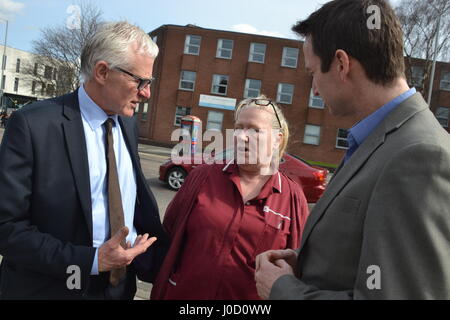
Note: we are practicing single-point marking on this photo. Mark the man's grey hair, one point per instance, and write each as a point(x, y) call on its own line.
point(111, 43)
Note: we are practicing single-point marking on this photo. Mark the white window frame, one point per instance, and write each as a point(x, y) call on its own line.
point(249, 89)
point(188, 44)
point(187, 81)
point(280, 93)
point(316, 102)
point(339, 138)
point(417, 80)
point(285, 57)
point(445, 81)
point(209, 121)
point(220, 49)
point(252, 54)
point(440, 118)
point(311, 135)
point(144, 111)
point(179, 116)
point(216, 84)
point(16, 84)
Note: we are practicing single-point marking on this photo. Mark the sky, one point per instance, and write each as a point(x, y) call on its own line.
point(269, 17)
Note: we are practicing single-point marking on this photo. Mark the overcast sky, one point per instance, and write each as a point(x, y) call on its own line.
point(269, 17)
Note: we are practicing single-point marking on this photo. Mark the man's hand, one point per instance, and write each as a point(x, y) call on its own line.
point(111, 255)
point(271, 265)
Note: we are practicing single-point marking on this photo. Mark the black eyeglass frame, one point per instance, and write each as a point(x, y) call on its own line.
point(265, 103)
point(143, 83)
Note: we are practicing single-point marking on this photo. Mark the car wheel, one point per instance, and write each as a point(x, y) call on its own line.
point(175, 178)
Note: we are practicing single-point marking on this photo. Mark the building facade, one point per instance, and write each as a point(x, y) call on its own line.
point(205, 73)
point(21, 80)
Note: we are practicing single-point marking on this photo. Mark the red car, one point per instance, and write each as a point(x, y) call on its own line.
point(311, 179)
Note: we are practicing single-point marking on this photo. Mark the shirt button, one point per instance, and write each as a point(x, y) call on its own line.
point(247, 203)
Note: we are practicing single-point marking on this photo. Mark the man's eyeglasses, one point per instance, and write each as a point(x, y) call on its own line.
point(265, 103)
point(142, 83)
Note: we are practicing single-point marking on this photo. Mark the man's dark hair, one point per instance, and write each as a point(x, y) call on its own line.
point(342, 24)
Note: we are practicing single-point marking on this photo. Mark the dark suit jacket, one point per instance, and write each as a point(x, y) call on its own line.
point(45, 203)
point(384, 216)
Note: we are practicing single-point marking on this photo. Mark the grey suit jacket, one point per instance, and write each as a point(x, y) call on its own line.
point(382, 228)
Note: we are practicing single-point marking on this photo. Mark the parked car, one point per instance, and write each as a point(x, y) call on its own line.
point(312, 179)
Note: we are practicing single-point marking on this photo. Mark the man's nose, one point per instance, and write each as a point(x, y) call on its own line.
point(145, 92)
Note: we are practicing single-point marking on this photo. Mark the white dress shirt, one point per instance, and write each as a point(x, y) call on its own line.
point(93, 118)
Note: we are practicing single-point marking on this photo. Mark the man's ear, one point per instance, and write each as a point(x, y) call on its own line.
point(343, 64)
point(101, 72)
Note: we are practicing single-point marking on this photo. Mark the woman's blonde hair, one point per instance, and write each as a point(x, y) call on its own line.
point(284, 129)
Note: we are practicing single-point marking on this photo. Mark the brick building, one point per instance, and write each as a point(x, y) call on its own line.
point(205, 72)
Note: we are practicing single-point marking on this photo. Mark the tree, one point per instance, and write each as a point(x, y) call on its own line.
point(419, 21)
point(56, 66)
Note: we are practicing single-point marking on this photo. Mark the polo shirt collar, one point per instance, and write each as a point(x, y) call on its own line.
point(274, 184)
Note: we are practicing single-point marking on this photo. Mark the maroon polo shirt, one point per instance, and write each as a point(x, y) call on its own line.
point(223, 235)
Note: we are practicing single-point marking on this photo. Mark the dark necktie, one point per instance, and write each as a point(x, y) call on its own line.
point(116, 219)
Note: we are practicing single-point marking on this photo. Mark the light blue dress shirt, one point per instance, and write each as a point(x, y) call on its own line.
point(360, 131)
point(93, 118)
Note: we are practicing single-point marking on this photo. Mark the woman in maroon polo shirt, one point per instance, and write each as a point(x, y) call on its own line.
point(226, 214)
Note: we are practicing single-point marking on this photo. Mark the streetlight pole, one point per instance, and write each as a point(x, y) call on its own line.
point(3, 65)
point(433, 68)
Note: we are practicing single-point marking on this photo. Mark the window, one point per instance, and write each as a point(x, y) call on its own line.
point(3, 82)
point(16, 84)
point(257, 52)
point(417, 74)
point(18, 66)
point(33, 87)
point(143, 107)
point(442, 114)
point(180, 112)
point(43, 89)
point(252, 88)
point(48, 72)
point(35, 71)
point(312, 134)
point(4, 62)
point(341, 139)
point(445, 80)
point(215, 120)
point(290, 57)
point(192, 45)
point(187, 81)
point(224, 49)
point(220, 84)
point(285, 93)
point(316, 101)
point(50, 89)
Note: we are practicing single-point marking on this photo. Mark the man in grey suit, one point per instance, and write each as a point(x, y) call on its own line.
point(382, 228)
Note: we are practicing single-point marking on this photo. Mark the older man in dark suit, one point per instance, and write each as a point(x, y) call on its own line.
point(382, 228)
point(73, 199)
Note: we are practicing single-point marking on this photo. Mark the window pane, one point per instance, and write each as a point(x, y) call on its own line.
point(290, 56)
point(442, 114)
point(311, 140)
point(214, 120)
point(312, 130)
point(445, 81)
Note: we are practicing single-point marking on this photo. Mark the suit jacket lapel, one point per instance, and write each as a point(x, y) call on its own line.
point(346, 171)
point(76, 147)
